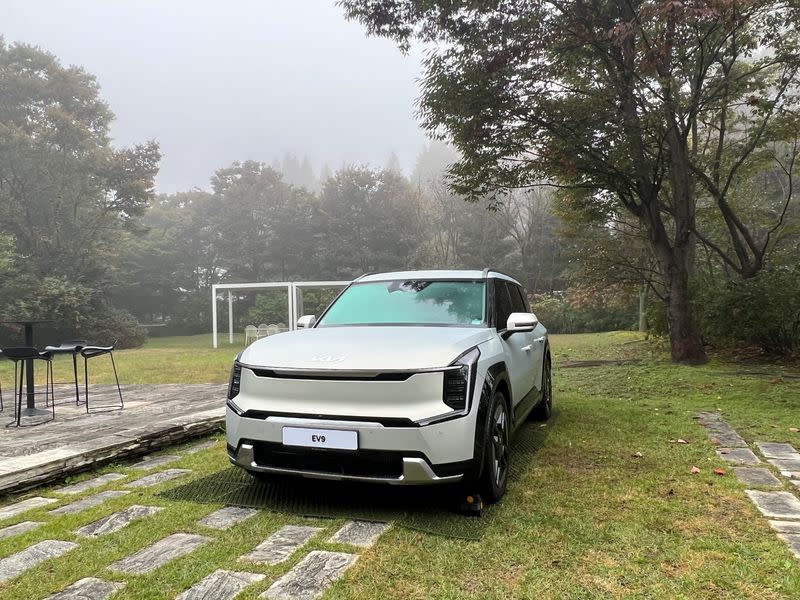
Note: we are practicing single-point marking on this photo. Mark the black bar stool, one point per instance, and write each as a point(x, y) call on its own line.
point(19, 355)
point(72, 347)
point(89, 352)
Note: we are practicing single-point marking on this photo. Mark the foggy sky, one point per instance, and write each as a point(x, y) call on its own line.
point(218, 81)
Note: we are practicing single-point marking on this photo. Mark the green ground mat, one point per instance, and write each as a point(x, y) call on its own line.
point(431, 509)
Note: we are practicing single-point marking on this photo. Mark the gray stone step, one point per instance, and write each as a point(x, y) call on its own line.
point(281, 544)
point(155, 461)
point(720, 432)
point(359, 533)
point(158, 478)
point(88, 588)
point(738, 456)
point(756, 476)
point(117, 521)
point(775, 450)
point(16, 564)
point(785, 526)
point(91, 501)
point(311, 576)
point(200, 447)
point(12, 510)
point(785, 464)
point(221, 585)
point(160, 553)
point(793, 539)
point(778, 505)
point(18, 529)
point(90, 484)
point(227, 517)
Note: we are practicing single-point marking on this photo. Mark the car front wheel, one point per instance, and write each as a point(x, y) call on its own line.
point(496, 455)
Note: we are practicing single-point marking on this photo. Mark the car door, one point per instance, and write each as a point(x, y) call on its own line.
point(537, 337)
point(517, 347)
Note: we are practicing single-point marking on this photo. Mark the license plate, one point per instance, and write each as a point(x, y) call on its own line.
point(320, 438)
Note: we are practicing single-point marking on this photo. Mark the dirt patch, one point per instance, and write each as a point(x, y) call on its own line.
point(575, 364)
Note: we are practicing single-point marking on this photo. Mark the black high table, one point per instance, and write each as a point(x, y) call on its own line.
point(30, 410)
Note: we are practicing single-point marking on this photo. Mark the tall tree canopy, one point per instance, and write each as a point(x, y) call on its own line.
point(658, 108)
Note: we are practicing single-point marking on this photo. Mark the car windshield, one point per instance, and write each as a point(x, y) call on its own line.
point(415, 302)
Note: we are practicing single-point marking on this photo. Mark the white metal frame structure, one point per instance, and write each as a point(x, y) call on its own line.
point(294, 301)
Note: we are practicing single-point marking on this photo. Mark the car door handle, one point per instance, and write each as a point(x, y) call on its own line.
point(527, 348)
point(540, 340)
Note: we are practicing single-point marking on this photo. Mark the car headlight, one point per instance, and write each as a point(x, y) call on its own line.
point(459, 380)
point(235, 380)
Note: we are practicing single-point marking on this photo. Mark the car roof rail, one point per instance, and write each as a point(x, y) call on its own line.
point(360, 277)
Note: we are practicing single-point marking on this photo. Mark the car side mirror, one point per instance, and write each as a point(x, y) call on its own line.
point(306, 321)
point(521, 321)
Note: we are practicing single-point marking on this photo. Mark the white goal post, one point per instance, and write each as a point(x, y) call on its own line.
point(294, 300)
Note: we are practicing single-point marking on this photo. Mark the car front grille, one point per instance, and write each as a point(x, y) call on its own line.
point(361, 463)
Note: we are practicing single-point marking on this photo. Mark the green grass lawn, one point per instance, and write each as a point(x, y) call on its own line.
point(607, 507)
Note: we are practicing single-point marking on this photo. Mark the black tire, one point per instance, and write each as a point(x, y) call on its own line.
point(496, 451)
point(543, 410)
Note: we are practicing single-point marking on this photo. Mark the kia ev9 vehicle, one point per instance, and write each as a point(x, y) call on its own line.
point(417, 377)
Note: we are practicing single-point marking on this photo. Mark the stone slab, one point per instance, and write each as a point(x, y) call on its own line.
point(311, 576)
point(12, 510)
point(719, 431)
point(738, 456)
point(88, 588)
point(360, 533)
point(227, 517)
point(18, 529)
point(785, 526)
point(116, 521)
point(778, 505)
point(776, 450)
point(90, 484)
point(91, 501)
point(158, 478)
point(200, 447)
point(160, 553)
point(155, 461)
point(221, 585)
point(785, 464)
point(281, 544)
point(795, 482)
point(16, 564)
point(756, 476)
point(793, 539)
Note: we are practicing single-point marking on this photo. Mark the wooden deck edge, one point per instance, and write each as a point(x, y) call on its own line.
point(157, 439)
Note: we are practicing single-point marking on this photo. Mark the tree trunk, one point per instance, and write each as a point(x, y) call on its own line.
point(643, 308)
point(684, 339)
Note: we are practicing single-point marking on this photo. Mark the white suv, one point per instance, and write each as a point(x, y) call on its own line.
point(415, 377)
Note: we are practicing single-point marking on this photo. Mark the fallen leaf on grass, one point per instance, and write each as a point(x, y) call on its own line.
point(694, 470)
point(774, 426)
point(678, 441)
point(719, 471)
point(637, 455)
point(795, 429)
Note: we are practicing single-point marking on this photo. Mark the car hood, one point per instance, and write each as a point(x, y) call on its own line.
point(364, 348)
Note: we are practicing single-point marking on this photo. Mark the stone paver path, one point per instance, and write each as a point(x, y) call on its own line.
point(281, 544)
point(781, 505)
point(360, 533)
point(90, 484)
point(116, 521)
point(12, 510)
point(201, 446)
point(91, 501)
point(221, 585)
point(157, 478)
point(309, 578)
point(89, 588)
point(738, 456)
point(160, 553)
point(227, 517)
point(778, 505)
point(756, 476)
point(18, 563)
point(155, 461)
point(18, 529)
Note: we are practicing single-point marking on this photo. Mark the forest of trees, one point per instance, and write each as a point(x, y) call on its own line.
point(85, 239)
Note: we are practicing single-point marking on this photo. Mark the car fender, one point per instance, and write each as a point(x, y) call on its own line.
point(495, 374)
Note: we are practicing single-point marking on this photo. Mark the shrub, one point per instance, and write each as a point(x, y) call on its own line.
point(563, 314)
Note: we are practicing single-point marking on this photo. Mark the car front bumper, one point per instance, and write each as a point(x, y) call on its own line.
point(436, 453)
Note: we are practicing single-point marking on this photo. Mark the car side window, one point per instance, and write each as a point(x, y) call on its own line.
point(502, 303)
point(518, 302)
